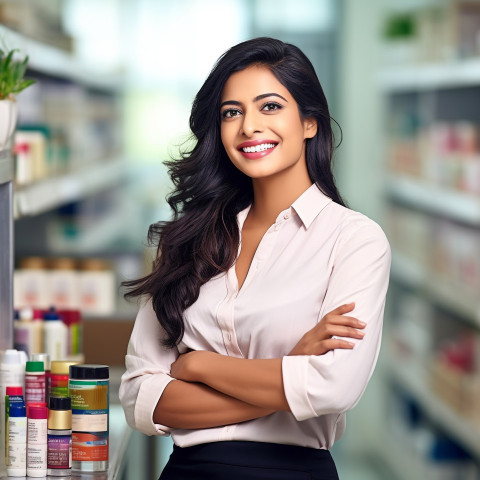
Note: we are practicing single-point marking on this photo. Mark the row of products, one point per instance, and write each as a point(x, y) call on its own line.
point(71, 434)
point(444, 154)
point(432, 32)
point(437, 345)
point(62, 128)
point(57, 333)
point(448, 251)
point(66, 283)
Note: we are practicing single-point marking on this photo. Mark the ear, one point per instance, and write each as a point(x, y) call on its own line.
point(310, 127)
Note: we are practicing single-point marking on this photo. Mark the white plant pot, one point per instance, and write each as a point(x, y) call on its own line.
point(8, 121)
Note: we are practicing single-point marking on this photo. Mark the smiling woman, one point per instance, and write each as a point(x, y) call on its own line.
point(263, 315)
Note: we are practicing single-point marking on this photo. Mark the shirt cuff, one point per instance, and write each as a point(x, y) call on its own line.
point(146, 403)
point(294, 372)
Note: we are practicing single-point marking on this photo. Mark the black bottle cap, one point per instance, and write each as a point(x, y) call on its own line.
point(89, 372)
point(60, 403)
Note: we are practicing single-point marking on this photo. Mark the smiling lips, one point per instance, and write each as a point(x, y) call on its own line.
point(256, 149)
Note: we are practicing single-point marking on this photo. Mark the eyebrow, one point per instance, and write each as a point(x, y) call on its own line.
point(256, 99)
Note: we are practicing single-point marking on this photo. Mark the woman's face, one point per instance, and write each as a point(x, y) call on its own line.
point(261, 127)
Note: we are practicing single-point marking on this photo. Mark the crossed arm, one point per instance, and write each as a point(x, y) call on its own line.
point(213, 390)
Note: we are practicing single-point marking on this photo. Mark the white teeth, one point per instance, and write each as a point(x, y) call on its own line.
point(258, 148)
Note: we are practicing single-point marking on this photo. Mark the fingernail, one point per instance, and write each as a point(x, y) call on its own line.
point(361, 333)
point(362, 324)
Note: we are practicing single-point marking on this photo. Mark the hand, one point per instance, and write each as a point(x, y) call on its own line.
point(188, 366)
point(318, 340)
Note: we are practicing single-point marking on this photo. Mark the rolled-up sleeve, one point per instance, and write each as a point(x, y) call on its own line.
point(147, 373)
point(335, 381)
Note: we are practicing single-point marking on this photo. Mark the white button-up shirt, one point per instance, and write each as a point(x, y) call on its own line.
point(317, 256)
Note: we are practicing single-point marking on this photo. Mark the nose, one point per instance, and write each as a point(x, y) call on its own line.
point(252, 123)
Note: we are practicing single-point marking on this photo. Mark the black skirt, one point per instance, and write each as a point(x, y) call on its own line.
point(238, 460)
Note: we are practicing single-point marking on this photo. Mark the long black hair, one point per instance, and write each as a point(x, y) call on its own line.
point(201, 241)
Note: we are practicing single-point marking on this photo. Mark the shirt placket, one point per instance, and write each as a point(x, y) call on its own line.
point(226, 310)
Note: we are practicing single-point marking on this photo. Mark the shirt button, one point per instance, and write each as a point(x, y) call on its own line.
point(286, 216)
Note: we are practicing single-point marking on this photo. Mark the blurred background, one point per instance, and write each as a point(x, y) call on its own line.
point(114, 84)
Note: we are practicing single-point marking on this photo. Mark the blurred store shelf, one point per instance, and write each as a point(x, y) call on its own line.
point(414, 378)
point(463, 207)
point(419, 77)
point(6, 166)
point(55, 62)
point(57, 191)
point(446, 294)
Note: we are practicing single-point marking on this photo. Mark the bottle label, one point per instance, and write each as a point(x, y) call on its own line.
point(34, 388)
point(59, 451)
point(37, 431)
point(90, 447)
point(17, 430)
point(17, 455)
point(37, 457)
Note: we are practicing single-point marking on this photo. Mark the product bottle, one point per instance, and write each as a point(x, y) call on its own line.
point(34, 382)
point(55, 335)
point(64, 284)
point(37, 322)
point(59, 456)
point(59, 378)
point(12, 372)
point(45, 358)
point(16, 453)
point(37, 440)
point(24, 331)
point(14, 396)
point(73, 320)
point(32, 282)
point(97, 287)
point(88, 389)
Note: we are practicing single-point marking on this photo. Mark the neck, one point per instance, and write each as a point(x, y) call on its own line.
point(272, 195)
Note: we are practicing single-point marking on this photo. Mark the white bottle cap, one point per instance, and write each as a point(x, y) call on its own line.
point(26, 314)
point(12, 357)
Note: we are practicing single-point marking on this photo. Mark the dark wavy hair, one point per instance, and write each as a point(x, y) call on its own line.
point(202, 239)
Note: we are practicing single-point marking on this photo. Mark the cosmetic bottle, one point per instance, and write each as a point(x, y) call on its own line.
point(24, 331)
point(34, 382)
point(16, 452)
point(55, 335)
point(36, 440)
point(45, 358)
point(89, 391)
point(59, 455)
point(59, 375)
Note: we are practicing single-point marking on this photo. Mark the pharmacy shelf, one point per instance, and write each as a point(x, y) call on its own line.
point(443, 293)
point(460, 206)
point(58, 63)
point(47, 194)
point(6, 166)
point(414, 379)
point(422, 77)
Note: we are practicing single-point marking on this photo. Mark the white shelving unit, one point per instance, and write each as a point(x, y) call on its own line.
point(44, 195)
point(464, 73)
point(424, 86)
point(443, 293)
point(57, 63)
point(414, 379)
point(464, 207)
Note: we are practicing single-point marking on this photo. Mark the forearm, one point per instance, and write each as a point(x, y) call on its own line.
point(255, 381)
point(193, 405)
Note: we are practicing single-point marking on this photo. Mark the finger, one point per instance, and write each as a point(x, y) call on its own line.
point(345, 308)
point(334, 344)
point(345, 320)
point(343, 331)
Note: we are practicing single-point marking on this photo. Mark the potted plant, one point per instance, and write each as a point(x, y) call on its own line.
point(12, 82)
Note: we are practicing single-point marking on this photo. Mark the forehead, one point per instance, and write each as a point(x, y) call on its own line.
point(250, 82)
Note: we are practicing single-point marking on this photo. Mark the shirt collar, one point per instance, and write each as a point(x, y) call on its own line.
point(309, 204)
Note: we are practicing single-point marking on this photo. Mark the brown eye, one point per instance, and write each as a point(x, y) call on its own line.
point(230, 113)
point(271, 106)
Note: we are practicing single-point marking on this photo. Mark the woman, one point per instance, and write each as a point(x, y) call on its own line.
point(263, 316)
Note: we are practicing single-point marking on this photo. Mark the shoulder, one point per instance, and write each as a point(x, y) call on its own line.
point(355, 228)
